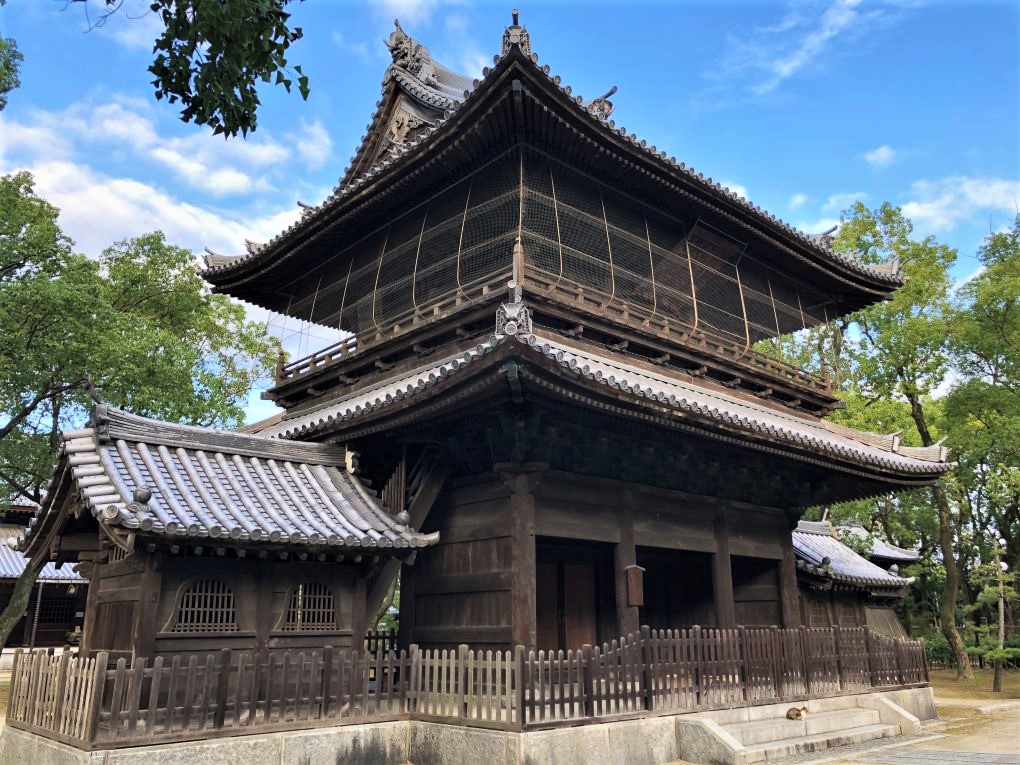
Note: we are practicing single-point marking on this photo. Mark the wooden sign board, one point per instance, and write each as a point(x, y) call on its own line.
point(635, 586)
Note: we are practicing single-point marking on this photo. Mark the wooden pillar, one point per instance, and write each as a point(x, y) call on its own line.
point(265, 584)
point(789, 596)
point(150, 585)
point(722, 573)
point(359, 625)
point(522, 483)
point(88, 627)
point(625, 554)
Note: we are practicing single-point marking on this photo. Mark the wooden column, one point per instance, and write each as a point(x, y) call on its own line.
point(88, 627)
point(359, 619)
point(625, 554)
point(265, 584)
point(143, 634)
point(722, 573)
point(522, 482)
point(789, 596)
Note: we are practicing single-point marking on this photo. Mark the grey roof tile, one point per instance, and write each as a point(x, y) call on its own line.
point(12, 563)
point(604, 367)
point(230, 486)
point(814, 542)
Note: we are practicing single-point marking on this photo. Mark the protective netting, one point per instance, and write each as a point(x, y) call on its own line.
point(579, 235)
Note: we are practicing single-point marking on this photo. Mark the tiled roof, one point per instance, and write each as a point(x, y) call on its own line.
point(600, 366)
point(886, 273)
point(12, 563)
point(820, 553)
point(880, 548)
point(231, 486)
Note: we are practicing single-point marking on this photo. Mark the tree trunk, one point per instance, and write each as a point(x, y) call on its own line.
point(951, 590)
point(18, 604)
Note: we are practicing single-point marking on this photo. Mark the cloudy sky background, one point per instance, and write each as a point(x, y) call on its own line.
point(801, 107)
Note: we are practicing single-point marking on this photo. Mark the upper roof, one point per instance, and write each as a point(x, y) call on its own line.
point(689, 398)
point(13, 563)
point(402, 161)
point(820, 552)
point(178, 481)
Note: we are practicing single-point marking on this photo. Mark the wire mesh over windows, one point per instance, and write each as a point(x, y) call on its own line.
point(311, 608)
point(819, 614)
point(207, 605)
point(56, 609)
point(579, 234)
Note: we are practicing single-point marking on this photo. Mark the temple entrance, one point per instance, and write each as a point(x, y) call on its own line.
point(678, 588)
point(571, 591)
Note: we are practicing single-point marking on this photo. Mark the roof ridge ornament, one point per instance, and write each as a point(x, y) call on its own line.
point(410, 55)
point(517, 35)
point(513, 317)
point(601, 107)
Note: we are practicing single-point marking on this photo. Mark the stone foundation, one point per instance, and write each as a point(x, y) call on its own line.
point(649, 741)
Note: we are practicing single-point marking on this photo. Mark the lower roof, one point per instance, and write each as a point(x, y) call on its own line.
point(182, 482)
point(598, 367)
point(13, 563)
point(819, 552)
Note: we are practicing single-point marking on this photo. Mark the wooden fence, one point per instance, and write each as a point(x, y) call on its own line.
point(93, 703)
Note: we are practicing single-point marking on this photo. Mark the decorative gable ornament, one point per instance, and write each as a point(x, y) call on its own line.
point(410, 55)
point(516, 35)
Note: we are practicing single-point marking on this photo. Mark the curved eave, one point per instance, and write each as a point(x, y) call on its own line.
point(392, 173)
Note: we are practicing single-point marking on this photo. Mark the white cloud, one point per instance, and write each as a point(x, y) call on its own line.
point(737, 188)
point(360, 50)
point(837, 203)
point(801, 40)
point(797, 201)
point(408, 11)
point(883, 156)
point(940, 204)
point(817, 226)
point(313, 143)
point(131, 24)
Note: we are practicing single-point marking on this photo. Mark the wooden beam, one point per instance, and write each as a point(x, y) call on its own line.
point(788, 594)
point(722, 573)
point(624, 555)
point(150, 586)
point(405, 628)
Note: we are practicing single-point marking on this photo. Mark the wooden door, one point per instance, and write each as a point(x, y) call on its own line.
point(547, 599)
point(578, 605)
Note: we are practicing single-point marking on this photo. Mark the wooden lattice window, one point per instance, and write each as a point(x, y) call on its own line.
point(847, 615)
point(819, 614)
point(56, 609)
point(206, 606)
point(311, 607)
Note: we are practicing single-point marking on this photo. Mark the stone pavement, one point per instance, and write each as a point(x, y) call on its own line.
point(937, 757)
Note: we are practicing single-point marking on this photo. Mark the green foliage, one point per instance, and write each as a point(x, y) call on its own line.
point(937, 650)
point(213, 53)
point(139, 324)
point(10, 66)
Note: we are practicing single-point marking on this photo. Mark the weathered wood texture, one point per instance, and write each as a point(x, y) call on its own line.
point(91, 703)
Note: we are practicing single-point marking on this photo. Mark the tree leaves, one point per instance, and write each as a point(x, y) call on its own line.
point(139, 323)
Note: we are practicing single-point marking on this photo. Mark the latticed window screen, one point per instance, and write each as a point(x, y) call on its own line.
point(819, 614)
point(311, 607)
point(577, 232)
point(206, 606)
point(847, 615)
point(56, 609)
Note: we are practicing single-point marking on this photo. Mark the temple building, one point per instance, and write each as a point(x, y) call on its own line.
point(551, 412)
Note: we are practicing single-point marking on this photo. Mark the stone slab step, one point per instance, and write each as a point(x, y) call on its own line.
point(781, 750)
point(773, 729)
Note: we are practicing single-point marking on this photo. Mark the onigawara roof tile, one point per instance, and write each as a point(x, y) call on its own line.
point(446, 100)
point(600, 366)
point(819, 552)
point(187, 482)
point(13, 563)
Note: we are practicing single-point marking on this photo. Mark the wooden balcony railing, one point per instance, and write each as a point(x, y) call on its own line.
point(92, 704)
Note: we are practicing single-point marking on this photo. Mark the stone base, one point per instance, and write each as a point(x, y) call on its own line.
point(650, 741)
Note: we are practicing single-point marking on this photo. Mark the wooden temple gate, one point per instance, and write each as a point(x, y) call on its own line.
point(94, 703)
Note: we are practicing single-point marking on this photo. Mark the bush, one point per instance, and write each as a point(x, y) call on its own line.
point(937, 650)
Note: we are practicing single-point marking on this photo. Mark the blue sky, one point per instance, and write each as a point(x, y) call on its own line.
point(802, 107)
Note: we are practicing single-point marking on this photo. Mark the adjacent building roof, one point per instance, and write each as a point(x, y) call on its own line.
point(186, 482)
point(12, 563)
point(819, 552)
point(599, 366)
point(885, 551)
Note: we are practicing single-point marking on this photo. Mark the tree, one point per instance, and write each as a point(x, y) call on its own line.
point(139, 324)
point(210, 57)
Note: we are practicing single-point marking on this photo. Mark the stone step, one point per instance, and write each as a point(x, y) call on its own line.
point(778, 751)
point(775, 729)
